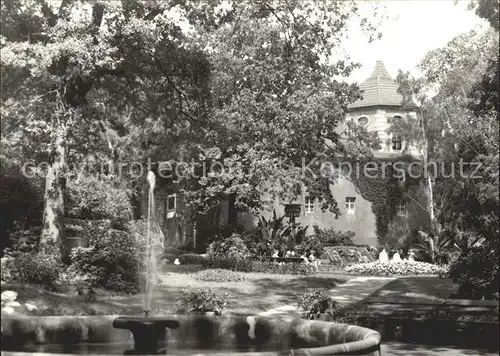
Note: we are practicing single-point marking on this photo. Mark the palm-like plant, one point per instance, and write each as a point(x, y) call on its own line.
point(274, 233)
point(449, 241)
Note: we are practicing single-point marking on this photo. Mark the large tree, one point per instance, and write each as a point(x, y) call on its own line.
point(446, 128)
point(89, 81)
point(457, 126)
point(278, 97)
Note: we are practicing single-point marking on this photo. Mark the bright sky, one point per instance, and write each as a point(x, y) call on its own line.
point(411, 29)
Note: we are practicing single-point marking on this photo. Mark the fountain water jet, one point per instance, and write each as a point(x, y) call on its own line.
point(149, 333)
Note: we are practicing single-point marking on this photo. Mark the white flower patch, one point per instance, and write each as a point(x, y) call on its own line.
point(404, 267)
point(8, 296)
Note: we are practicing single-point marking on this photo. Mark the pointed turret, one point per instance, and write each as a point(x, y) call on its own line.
point(378, 90)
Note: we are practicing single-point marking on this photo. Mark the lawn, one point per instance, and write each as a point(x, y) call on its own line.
point(259, 292)
point(421, 288)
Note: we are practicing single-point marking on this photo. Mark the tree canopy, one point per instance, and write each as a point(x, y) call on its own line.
point(249, 84)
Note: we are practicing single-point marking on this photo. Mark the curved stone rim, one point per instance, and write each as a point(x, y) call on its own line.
point(325, 338)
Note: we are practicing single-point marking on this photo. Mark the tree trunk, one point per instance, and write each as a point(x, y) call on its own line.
point(52, 238)
point(433, 233)
point(232, 214)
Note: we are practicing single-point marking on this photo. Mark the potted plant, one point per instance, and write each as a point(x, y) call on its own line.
point(317, 304)
point(202, 302)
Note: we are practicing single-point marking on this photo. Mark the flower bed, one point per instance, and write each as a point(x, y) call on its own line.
point(403, 268)
point(218, 275)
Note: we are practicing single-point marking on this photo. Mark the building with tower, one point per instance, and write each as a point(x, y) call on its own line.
point(363, 208)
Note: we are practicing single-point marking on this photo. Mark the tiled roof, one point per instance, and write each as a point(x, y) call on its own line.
point(378, 89)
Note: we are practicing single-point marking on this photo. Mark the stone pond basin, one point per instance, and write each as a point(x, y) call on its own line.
point(196, 335)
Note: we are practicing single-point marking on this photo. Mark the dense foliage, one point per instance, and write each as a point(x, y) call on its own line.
point(332, 237)
point(21, 203)
point(36, 268)
point(249, 265)
point(274, 234)
point(276, 99)
point(232, 248)
point(201, 300)
point(317, 301)
point(463, 128)
point(477, 273)
point(110, 260)
point(93, 198)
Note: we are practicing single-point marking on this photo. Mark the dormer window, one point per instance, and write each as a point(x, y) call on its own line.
point(363, 121)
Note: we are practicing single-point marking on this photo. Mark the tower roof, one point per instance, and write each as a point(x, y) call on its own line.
point(378, 90)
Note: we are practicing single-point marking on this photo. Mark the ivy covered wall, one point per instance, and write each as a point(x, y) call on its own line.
point(380, 186)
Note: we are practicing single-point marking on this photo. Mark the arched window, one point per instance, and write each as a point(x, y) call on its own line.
point(363, 121)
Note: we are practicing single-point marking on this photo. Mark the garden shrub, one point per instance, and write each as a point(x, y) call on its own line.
point(310, 243)
point(477, 273)
point(110, 261)
point(23, 239)
point(21, 200)
point(332, 237)
point(219, 275)
point(37, 268)
point(233, 247)
point(190, 259)
point(201, 300)
point(404, 268)
point(317, 301)
point(248, 265)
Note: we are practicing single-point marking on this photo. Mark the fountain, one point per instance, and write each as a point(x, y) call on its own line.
point(149, 333)
point(187, 335)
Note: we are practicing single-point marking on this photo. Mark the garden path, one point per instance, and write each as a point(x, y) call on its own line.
point(395, 348)
point(345, 294)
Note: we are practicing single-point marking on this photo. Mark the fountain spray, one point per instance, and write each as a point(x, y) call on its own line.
point(151, 178)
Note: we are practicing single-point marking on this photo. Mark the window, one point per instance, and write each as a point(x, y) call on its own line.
point(309, 205)
point(363, 121)
point(171, 202)
point(397, 143)
point(349, 205)
point(401, 208)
